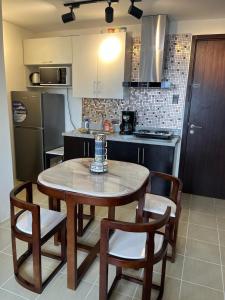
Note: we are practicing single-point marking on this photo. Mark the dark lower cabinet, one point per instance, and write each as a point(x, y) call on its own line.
point(78, 147)
point(122, 151)
point(153, 157)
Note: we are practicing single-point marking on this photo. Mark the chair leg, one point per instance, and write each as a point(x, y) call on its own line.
point(103, 285)
point(147, 282)
point(37, 266)
point(163, 274)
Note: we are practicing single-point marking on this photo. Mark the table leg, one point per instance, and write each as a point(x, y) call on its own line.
point(54, 204)
point(71, 245)
point(111, 213)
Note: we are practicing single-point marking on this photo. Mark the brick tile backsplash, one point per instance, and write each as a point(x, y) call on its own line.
point(155, 107)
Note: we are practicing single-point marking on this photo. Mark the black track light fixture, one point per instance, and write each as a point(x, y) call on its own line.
point(68, 17)
point(135, 11)
point(109, 13)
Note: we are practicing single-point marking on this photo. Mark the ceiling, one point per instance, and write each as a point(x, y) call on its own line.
point(45, 15)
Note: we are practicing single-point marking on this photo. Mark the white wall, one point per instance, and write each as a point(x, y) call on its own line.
point(6, 171)
point(14, 69)
point(198, 27)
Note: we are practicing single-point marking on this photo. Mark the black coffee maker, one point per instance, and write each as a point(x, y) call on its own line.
point(128, 122)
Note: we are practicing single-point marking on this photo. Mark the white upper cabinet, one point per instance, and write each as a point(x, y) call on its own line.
point(56, 50)
point(85, 70)
point(100, 64)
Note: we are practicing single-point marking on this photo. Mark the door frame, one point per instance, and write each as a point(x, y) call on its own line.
point(195, 39)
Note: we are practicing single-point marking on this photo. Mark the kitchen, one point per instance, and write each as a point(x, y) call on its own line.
point(96, 99)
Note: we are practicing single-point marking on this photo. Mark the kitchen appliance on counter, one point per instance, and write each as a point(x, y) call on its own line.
point(39, 121)
point(154, 134)
point(35, 78)
point(128, 122)
point(55, 76)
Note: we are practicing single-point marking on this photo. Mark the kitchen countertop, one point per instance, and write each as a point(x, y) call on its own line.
point(127, 138)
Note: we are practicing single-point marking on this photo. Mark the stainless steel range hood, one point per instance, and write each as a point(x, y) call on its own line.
point(153, 42)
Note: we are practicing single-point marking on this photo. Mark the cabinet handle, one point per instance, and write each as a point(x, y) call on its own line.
point(143, 155)
point(88, 149)
point(84, 149)
point(138, 155)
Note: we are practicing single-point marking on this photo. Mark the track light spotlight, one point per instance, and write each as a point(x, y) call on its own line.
point(68, 17)
point(109, 13)
point(135, 11)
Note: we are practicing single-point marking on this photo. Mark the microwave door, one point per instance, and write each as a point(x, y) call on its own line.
point(48, 76)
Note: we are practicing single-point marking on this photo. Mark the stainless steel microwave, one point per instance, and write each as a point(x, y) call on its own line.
point(55, 75)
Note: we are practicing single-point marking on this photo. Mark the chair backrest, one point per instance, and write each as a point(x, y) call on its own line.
point(175, 184)
point(150, 229)
point(24, 206)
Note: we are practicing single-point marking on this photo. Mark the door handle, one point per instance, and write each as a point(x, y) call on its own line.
point(138, 155)
point(143, 155)
point(192, 126)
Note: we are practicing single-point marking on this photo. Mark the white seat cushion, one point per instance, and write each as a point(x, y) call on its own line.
point(158, 204)
point(48, 220)
point(131, 245)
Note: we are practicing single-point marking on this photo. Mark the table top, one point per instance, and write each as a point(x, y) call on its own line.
point(122, 179)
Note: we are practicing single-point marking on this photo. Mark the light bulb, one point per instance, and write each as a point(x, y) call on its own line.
point(109, 49)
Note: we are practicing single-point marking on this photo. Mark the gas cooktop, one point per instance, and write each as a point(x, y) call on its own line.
point(154, 134)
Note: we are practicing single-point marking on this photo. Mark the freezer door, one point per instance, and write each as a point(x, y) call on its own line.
point(28, 153)
point(26, 108)
point(53, 120)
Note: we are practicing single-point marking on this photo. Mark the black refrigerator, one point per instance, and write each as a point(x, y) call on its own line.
point(39, 121)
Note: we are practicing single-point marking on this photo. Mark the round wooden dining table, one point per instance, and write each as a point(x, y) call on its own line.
point(73, 182)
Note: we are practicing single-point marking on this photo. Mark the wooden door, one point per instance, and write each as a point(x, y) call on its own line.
point(85, 60)
point(204, 156)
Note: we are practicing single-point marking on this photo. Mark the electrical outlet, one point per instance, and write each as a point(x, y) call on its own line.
point(175, 99)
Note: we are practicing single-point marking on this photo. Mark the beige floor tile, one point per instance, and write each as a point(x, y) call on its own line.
point(201, 233)
point(172, 269)
point(223, 269)
point(221, 223)
point(9, 296)
point(5, 224)
point(222, 249)
point(5, 238)
point(21, 247)
point(202, 219)
point(222, 237)
point(13, 286)
point(202, 273)
point(203, 250)
point(182, 229)
point(184, 215)
point(6, 267)
point(57, 290)
point(194, 292)
point(219, 202)
point(94, 295)
point(181, 241)
point(202, 204)
point(220, 211)
point(126, 288)
point(171, 291)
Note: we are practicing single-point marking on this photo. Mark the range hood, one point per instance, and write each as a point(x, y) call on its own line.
point(153, 42)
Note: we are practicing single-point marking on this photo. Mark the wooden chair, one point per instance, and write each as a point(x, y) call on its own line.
point(35, 226)
point(132, 245)
point(155, 206)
